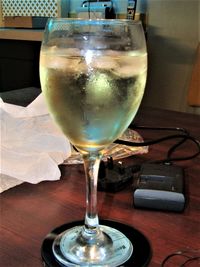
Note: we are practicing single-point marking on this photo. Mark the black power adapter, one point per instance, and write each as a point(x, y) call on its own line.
point(113, 176)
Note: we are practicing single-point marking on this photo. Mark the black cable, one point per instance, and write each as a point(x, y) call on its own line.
point(184, 136)
point(135, 126)
point(135, 9)
point(89, 9)
point(174, 147)
point(182, 254)
point(151, 142)
point(178, 253)
point(190, 259)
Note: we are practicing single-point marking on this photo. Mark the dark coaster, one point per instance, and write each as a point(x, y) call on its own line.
point(141, 247)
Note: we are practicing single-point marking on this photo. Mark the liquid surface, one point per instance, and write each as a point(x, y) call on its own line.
point(92, 97)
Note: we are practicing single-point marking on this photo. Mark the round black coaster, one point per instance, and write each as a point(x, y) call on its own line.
point(141, 247)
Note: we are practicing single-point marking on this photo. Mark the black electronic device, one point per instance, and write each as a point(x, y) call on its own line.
point(96, 9)
point(160, 187)
point(114, 176)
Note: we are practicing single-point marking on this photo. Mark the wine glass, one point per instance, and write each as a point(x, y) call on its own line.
point(93, 75)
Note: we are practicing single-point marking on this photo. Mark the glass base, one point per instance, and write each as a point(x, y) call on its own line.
point(112, 248)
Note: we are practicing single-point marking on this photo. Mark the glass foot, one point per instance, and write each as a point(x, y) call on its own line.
point(111, 248)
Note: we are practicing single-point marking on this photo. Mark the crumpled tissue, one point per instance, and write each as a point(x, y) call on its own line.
point(31, 145)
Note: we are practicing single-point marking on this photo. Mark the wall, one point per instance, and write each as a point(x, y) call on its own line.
point(172, 37)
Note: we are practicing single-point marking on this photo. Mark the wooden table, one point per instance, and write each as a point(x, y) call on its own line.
point(29, 212)
point(21, 34)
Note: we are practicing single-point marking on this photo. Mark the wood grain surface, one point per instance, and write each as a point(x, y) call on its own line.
point(30, 212)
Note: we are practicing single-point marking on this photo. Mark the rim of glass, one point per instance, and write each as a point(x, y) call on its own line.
point(95, 21)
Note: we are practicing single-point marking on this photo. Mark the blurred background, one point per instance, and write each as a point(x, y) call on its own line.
point(172, 30)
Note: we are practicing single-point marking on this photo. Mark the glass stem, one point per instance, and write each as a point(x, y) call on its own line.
point(91, 165)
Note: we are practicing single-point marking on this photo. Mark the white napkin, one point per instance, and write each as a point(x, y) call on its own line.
point(31, 145)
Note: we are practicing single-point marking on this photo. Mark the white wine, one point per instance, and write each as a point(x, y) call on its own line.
point(92, 96)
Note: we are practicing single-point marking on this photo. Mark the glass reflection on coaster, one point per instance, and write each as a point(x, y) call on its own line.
point(64, 248)
point(140, 246)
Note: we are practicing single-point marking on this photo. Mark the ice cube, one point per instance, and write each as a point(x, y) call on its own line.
point(104, 62)
point(130, 66)
point(64, 61)
point(61, 51)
